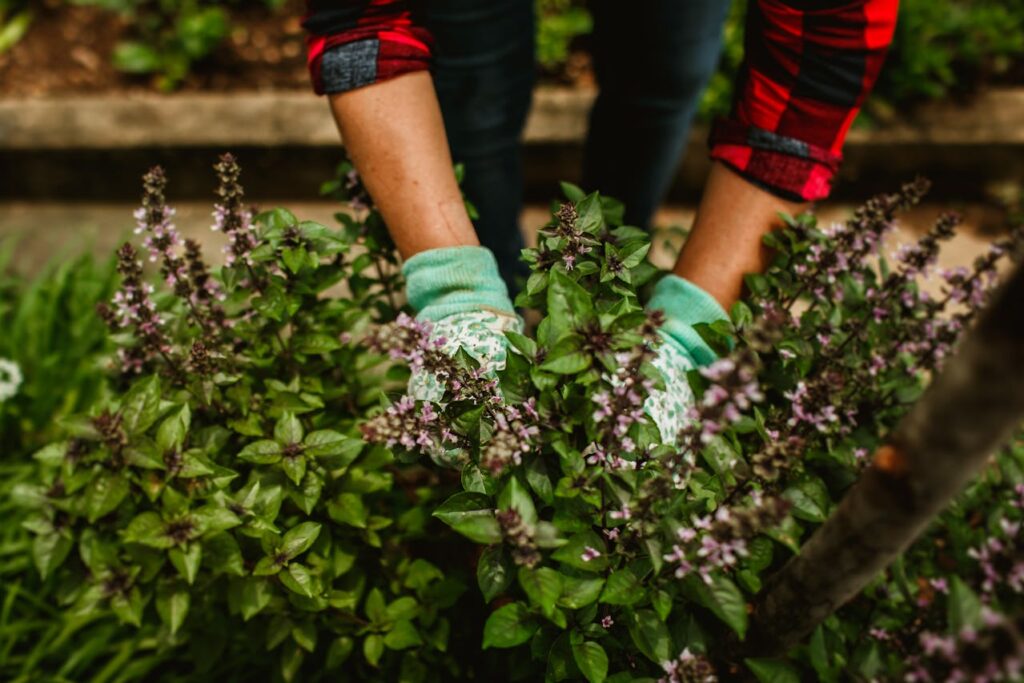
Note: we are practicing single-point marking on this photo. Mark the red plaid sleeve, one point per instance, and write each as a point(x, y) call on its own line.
point(808, 67)
point(352, 43)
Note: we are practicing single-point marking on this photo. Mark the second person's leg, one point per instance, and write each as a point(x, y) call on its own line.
point(484, 74)
point(652, 59)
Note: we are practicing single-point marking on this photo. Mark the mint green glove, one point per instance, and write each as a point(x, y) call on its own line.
point(460, 292)
point(685, 304)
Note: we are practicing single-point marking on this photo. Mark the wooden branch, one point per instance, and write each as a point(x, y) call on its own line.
point(972, 407)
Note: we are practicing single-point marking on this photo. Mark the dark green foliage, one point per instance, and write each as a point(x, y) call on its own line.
point(225, 511)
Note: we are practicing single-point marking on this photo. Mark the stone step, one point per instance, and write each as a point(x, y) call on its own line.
point(95, 147)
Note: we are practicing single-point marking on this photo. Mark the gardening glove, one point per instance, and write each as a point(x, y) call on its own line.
point(685, 305)
point(459, 291)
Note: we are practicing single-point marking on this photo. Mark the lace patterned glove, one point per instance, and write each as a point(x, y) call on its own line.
point(685, 305)
point(459, 291)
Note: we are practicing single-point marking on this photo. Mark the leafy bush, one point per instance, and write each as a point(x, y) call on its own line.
point(225, 484)
point(170, 36)
point(257, 496)
point(619, 551)
point(55, 342)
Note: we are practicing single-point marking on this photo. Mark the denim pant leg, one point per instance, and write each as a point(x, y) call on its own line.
point(484, 74)
point(652, 59)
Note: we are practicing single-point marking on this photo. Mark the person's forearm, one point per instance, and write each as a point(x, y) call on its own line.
point(394, 134)
point(725, 243)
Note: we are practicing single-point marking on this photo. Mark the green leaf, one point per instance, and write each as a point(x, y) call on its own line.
point(579, 592)
point(304, 634)
point(172, 431)
point(211, 519)
point(348, 508)
point(484, 530)
point(264, 452)
point(539, 480)
point(288, 429)
point(128, 606)
point(591, 217)
point(172, 603)
point(186, 560)
point(508, 626)
point(294, 468)
point(722, 597)
point(339, 652)
point(622, 588)
point(592, 661)
point(375, 608)
point(291, 661)
point(572, 553)
point(223, 554)
point(516, 497)
point(650, 635)
point(568, 364)
point(572, 192)
point(402, 635)
point(294, 258)
point(340, 448)
point(522, 343)
point(633, 257)
point(773, 670)
point(141, 405)
point(569, 306)
point(299, 539)
point(255, 595)
point(373, 648)
point(963, 606)
point(315, 343)
point(14, 28)
point(402, 608)
point(472, 515)
point(493, 572)
point(542, 585)
point(49, 552)
point(297, 579)
point(104, 493)
point(810, 500)
point(148, 529)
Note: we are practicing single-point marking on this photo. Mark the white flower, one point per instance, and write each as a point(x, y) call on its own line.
point(10, 379)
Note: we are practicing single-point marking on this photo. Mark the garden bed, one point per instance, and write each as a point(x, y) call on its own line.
point(264, 50)
point(965, 149)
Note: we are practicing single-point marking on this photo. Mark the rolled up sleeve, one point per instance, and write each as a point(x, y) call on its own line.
point(808, 67)
point(355, 43)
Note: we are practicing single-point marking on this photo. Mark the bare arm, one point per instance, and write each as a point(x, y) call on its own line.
point(394, 133)
point(725, 243)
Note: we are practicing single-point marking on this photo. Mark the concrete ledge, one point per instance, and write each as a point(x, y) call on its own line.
point(95, 148)
point(299, 119)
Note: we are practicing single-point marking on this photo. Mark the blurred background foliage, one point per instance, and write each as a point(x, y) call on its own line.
point(943, 48)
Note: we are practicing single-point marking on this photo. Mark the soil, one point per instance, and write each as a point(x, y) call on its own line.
point(67, 49)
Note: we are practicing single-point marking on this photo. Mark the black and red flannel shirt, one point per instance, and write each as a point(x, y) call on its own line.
point(808, 66)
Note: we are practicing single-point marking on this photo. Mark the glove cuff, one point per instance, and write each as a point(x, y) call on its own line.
point(685, 304)
point(450, 280)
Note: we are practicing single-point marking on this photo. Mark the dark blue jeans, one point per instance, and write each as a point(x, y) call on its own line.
point(652, 60)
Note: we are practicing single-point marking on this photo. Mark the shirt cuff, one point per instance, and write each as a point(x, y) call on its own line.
point(685, 305)
point(449, 280)
point(787, 167)
point(353, 59)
